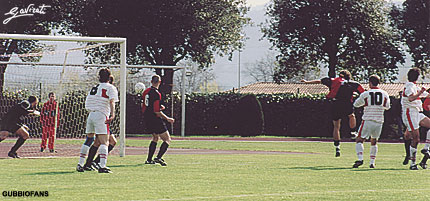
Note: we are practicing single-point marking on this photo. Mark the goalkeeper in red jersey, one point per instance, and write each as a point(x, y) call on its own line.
point(47, 119)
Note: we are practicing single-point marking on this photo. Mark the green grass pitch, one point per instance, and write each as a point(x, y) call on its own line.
point(317, 176)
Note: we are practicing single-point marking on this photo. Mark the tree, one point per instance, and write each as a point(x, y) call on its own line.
point(348, 34)
point(263, 70)
point(197, 79)
point(413, 19)
point(39, 23)
point(163, 32)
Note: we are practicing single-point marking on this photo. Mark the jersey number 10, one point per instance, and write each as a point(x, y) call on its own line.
point(375, 98)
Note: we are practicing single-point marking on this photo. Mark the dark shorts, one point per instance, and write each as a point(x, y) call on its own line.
point(11, 127)
point(155, 126)
point(340, 109)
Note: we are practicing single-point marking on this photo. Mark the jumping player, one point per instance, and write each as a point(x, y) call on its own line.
point(100, 102)
point(411, 114)
point(153, 117)
point(90, 164)
point(425, 150)
point(11, 123)
point(375, 102)
point(47, 119)
point(341, 96)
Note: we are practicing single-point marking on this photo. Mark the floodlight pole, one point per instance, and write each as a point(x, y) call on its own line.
point(123, 87)
point(184, 72)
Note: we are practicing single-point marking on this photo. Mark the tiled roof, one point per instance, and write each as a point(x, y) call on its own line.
point(272, 88)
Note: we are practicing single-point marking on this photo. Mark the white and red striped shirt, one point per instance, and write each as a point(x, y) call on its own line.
point(375, 102)
point(99, 96)
point(412, 89)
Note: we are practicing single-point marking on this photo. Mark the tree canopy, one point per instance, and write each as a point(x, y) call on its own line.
point(163, 32)
point(413, 20)
point(348, 34)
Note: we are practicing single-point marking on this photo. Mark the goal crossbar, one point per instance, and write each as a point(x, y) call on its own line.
point(123, 67)
point(90, 65)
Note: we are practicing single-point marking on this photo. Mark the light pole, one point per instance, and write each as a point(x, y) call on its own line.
point(238, 73)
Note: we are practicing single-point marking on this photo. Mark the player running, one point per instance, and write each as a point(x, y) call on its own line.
point(412, 116)
point(12, 123)
point(100, 102)
point(341, 96)
point(375, 102)
point(47, 119)
point(153, 117)
point(90, 163)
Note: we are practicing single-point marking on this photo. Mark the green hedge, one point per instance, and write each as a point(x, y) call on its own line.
point(296, 115)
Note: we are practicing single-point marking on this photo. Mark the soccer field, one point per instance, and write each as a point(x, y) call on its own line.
point(314, 175)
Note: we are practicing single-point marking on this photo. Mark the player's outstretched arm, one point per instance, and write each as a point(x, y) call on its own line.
point(311, 81)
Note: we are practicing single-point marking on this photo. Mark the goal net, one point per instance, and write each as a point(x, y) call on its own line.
point(68, 68)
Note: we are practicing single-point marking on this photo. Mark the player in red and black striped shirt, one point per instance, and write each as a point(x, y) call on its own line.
point(153, 118)
point(341, 95)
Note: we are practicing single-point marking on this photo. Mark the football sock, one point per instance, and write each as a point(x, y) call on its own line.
point(163, 149)
point(110, 147)
point(407, 145)
point(359, 150)
point(103, 155)
point(91, 154)
point(413, 155)
point(373, 152)
point(337, 144)
point(152, 147)
point(83, 154)
point(19, 142)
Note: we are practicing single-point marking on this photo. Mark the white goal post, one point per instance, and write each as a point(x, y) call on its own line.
point(123, 71)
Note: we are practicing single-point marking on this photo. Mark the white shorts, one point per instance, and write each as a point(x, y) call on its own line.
point(369, 128)
point(411, 117)
point(96, 123)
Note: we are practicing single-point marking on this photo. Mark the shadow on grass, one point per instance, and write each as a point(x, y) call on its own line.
point(318, 168)
point(345, 168)
point(51, 173)
point(121, 166)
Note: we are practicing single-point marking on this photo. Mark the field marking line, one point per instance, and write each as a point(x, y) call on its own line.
point(293, 193)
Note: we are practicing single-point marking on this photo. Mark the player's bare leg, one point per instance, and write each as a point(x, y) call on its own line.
point(425, 123)
point(23, 136)
point(163, 148)
point(352, 121)
point(103, 152)
point(3, 135)
point(151, 150)
point(336, 136)
point(84, 151)
point(407, 137)
point(359, 148)
point(373, 151)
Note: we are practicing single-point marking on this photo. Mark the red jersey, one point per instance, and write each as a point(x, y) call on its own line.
point(49, 111)
point(341, 89)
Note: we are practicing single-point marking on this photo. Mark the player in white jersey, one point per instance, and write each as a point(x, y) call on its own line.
point(375, 102)
point(100, 103)
point(411, 114)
